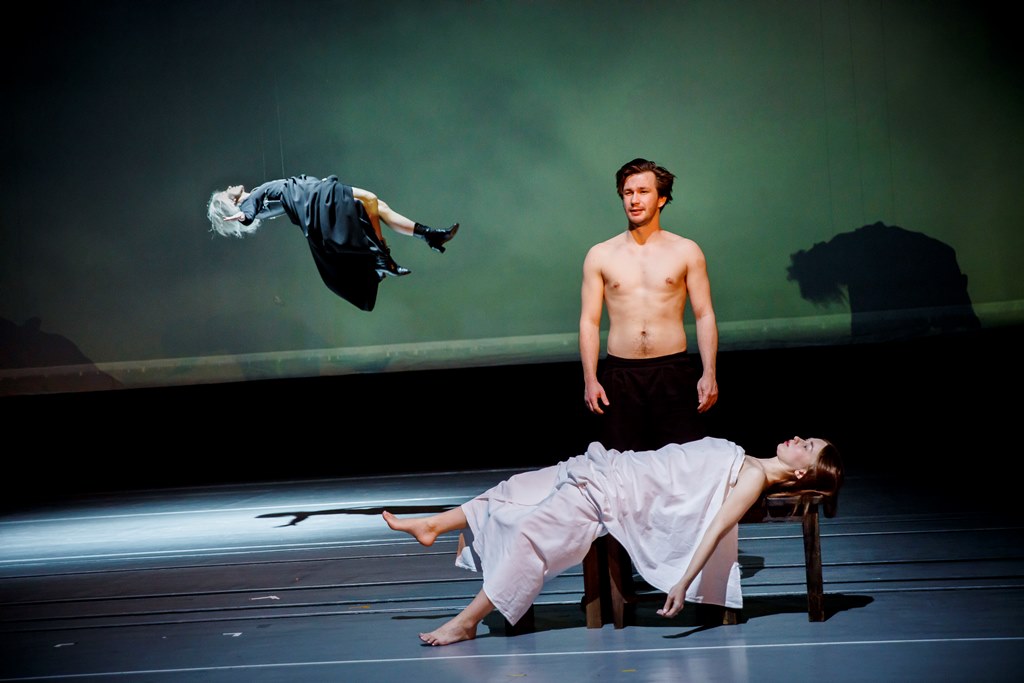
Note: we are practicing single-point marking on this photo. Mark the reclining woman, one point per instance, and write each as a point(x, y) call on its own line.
point(674, 510)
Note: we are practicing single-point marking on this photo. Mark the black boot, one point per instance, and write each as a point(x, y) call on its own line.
point(434, 237)
point(386, 265)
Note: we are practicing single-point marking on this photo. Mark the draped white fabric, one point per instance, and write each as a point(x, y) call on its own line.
point(657, 504)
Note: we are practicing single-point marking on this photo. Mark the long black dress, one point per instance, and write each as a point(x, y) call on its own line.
point(336, 226)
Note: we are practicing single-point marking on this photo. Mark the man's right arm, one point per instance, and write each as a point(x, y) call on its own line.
point(592, 299)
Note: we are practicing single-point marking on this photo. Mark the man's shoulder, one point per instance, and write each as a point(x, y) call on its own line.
point(676, 238)
point(682, 245)
point(605, 246)
point(610, 242)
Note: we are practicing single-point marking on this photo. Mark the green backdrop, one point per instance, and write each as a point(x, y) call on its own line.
point(787, 122)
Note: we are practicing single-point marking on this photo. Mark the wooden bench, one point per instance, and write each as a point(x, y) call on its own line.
point(608, 593)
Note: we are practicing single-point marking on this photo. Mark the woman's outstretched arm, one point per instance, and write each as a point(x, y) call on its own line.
point(750, 485)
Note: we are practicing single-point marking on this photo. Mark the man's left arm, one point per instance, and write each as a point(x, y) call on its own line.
point(698, 287)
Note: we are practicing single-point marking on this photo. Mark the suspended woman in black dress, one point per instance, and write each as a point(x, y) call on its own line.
point(341, 224)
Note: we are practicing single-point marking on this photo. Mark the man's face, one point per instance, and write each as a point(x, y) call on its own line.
point(640, 199)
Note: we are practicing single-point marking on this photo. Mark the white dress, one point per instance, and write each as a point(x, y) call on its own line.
point(657, 505)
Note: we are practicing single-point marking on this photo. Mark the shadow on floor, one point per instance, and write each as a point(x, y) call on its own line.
point(302, 515)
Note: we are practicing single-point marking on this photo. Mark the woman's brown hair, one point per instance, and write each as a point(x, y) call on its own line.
point(824, 477)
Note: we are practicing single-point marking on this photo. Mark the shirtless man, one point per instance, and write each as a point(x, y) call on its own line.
point(648, 393)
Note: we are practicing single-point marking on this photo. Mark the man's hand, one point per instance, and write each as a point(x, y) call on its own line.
point(594, 396)
point(236, 217)
point(674, 601)
point(707, 393)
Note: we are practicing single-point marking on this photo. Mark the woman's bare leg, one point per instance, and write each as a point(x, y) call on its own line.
point(378, 210)
point(370, 203)
point(395, 220)
point(463, 626)
point(427, 529)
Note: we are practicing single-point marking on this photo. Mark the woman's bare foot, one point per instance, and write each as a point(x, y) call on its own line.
point(452, 632)
point(420, 528)
point(463, 625)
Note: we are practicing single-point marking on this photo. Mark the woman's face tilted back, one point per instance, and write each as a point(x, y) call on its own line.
point(224, 204)
point(800, 454)
point(235, 193)
point(816, 465)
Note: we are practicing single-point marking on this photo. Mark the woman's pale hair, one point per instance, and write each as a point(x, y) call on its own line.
point(219, 208)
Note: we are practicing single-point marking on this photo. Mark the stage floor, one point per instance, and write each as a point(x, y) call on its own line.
point(302, 581)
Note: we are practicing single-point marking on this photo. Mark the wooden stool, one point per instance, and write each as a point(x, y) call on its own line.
point(804, 506)
point(608, 592)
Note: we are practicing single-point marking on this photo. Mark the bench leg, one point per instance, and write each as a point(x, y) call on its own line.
point(812, 559)
point(715, 615)
point(592, 584)
point(608, 593)
point(620, 579)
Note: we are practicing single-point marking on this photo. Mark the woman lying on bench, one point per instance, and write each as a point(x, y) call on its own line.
point(675, 511)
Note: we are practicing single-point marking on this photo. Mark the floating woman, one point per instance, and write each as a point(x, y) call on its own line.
point(342, 225)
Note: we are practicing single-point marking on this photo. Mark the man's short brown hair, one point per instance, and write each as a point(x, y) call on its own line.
point(663, 178)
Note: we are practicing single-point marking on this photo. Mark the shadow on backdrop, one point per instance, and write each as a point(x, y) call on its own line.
point(27, 346)
point(898, 283)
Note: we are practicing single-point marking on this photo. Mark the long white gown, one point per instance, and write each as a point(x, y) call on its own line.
point(657, 504)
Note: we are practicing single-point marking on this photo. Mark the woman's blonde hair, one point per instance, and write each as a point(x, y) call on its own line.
point(220, 207)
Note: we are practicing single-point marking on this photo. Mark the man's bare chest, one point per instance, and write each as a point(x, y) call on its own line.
point(665, 278)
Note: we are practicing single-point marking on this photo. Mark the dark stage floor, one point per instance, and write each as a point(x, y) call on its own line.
point(302, 581)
